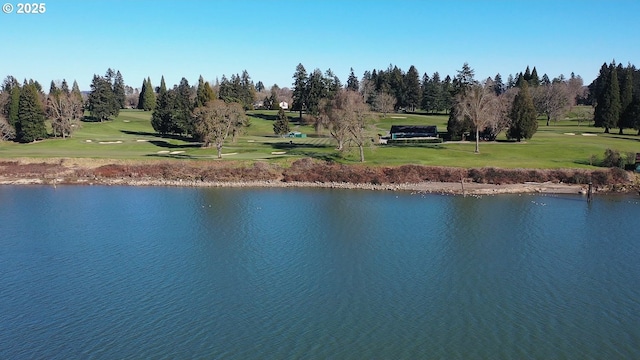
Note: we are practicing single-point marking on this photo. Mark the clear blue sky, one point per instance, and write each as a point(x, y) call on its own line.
point(75, 39)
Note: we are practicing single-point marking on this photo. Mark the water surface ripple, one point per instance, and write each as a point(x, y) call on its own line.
point(133, 273)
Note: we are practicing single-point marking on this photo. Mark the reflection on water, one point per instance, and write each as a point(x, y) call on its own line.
point(119, 272)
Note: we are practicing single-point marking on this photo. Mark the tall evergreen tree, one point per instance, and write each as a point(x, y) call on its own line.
point(182, 109)
point(281, 125)
point(13, 105)
point(597, 87)
point(315, 91)
point(412, 86)
point(162, 116)
point(458, 126)
point(31, 116)
point(118, 90)
point(64, 87)
point(274, 104)
point(397, 85)
point(498, 85)
point(425, 101)
point(143, 90)
point(534, 81)
point(446, 94)
point(527, 74)
point(101, 101)
point(78, 101)
point(201, 98)
point(53, 88)
point(511, 82)
point(247, 92)
point(523, 115)
point(75, 89)
point(331, 84)
point(545, 80)
point(352, 82)
point(633, 113)
point(626, 97)
point(433, 95)
point(149, 98)
point(607, 111)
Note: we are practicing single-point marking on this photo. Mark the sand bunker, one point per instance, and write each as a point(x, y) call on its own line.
point(163, 152)
point(88, 141)
point(569, 133)
point(229, 154)
point(589, 135)
point(278, 152)
point(398, 117)
point(141, 140)
point(176, 152)
point(110, 142)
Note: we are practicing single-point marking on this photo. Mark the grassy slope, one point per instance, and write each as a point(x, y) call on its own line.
point(549, 148)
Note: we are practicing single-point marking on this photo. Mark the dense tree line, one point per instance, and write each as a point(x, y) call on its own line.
point(147, 96)
point(107, 95)
point(615, 94)
point(310, 89)
point(341, 111)
point(199, 113)
point(487, 108)
point(239, 89)
point(24, 109)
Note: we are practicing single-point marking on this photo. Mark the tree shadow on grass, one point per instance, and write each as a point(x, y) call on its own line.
point(90, 119)
point(172, 156)
point(594, 162)
point(294, 145)
point(153, 134)
point(307, 150)
point(624, 137)
point(168, 145)
point(266, 117)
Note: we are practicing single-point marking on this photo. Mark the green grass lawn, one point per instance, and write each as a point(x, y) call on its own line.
point(130, 136)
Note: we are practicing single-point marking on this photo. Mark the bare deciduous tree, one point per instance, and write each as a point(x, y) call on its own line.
point(499, 121)
point(331, 118)
point(553, 100)
point(7, 132)
point(480, 104)
point(62, 109)
point(216, 121)
point(347, 119)
point(384, 103)
point(357, 116)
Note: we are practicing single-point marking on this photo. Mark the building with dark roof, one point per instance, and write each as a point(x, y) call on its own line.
point(413, 131)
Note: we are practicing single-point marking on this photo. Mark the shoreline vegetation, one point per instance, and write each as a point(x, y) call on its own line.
point(308, 172)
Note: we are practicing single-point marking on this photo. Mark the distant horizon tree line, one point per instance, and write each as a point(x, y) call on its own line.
point(615, 95)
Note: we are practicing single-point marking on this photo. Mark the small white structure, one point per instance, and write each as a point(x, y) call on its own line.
point(284, 105)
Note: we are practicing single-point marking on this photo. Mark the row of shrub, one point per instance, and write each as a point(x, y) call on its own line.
point(309, 170)
point(259, 171)
point(314, 171)
point(613, 158)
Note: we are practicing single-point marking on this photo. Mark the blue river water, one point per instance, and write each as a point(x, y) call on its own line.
point(182, 273)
